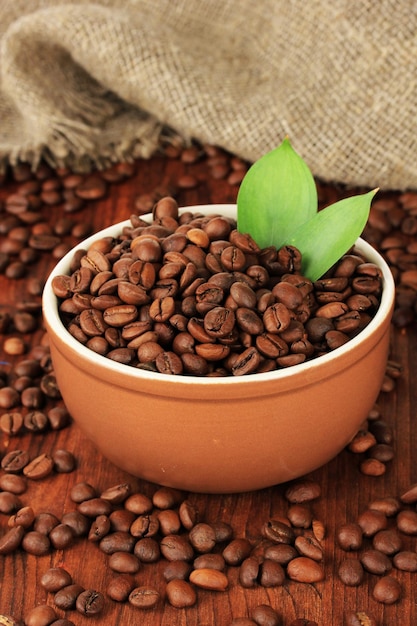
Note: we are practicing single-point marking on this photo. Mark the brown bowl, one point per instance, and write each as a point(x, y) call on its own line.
point(220, 435)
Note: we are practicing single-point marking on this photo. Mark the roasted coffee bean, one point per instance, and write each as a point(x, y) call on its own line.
point(278, 532)
point(9, 502)
point(94, 507)
point(11, 423)
point(45, 522)
point(36, 543)
point(119, 587)
point(11, 540)
point(89, 602)
point(303, 491)
point(202, 537)
point(139, 503)
point(351, 572)
point(300, 516)
point(39, 468)
point(64, 461)
point(147, 550)
point(349, 536)
point(209, 579)
point(61, 536)
point(117, 494)
point(180, 593)
point(407, 522)
point(79, 523)
point(66, 597)
point(169, 522)
point(249, 572)
point(305, 570)
point(83, 491)
point(40, 615)
point(176, 548)
point(124, 562)
point(25, 517)
point(145, 526)
point(387, 590)
point(307, 545)
point(236, 551)
point(410, 495)
point(271, 574)
point(375, 561)
point(265, 615)
point(55, 579)
point(371, 521)
point(35, 421)
point(211, 561)
point(99, 528)
point(144, 597)
point(117, 541)
point(177, 570)
point(405, 561)
point(13, 483)
point(281, 553)
point(387, 541)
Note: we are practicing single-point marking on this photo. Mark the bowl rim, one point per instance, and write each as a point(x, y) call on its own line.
point(53, 320)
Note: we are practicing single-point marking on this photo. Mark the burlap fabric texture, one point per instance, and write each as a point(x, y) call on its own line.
point(86, 83)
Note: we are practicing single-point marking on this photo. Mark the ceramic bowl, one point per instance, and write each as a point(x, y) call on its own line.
point(219, 435)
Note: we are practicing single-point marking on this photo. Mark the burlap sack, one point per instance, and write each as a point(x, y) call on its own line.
point(87, 83)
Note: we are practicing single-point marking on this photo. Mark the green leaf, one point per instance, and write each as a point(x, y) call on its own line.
point(324, 239)
point(277, 195)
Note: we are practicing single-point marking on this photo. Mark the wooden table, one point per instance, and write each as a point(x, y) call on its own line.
point(346, 492)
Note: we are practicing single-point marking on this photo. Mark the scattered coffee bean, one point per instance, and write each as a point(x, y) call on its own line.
point(387, 590)
point(55, 579)
point(180, 593)
point(144, 597)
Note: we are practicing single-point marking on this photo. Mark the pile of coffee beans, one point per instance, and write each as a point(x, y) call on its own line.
point(189, 294)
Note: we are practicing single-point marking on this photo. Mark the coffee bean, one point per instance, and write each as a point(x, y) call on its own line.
point(147, 550)
point(61, 536)
point(387, 590)
point(64, 461)
point(82, 491)
point(180, 593)
point(371, 521)
point(202, 537)
point(236, 551)
point(410, 495)
point(124, 562)
point(375, 561)
point(11, 540)
point(278, 532)
point(119, 587)
point(303, 491)
point(66, 597)
point(305, 570)
point(79, 523)
point(89, 602)
point(36, 543)
point(387, 541)
point(40, 467)
point(405, 561)
point(349, 536)
point(9, 502)
point(177, 570)
point(211, 561)
point(94, 507)
point(55, 579)
point(351, 572)
point(117, 493)
point(176, 548)
point(15, 461)
point(13, 483)
point(209, 579)
point(407, 522)
point(265, 615)
point(41, 615)
point(117, 541)
point(144, 597)
point(25, 517)
point(45, 522)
